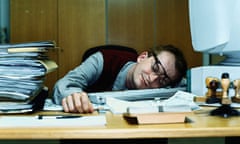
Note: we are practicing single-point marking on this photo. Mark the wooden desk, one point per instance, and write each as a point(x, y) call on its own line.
point(117, 128)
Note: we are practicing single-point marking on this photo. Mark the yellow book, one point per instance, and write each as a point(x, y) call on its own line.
point(26, 49)
point(38, 46)
point(50, 65)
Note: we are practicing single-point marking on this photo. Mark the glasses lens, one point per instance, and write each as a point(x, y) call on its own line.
point(158, 69)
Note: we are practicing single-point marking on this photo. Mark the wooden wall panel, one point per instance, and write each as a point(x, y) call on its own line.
point(173, 28)
point(32, 20)
point(145, 23)
point(131, 23)
point(81, 26)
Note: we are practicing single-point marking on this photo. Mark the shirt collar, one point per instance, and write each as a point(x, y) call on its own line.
point(120, 82)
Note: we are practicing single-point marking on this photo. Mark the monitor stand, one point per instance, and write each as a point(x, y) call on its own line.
point(231, 60)
point(225, 110)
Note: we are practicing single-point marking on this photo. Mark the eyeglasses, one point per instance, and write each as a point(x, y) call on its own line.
point(164, 79)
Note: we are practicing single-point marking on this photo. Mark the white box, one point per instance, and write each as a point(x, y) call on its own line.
point(197, 76)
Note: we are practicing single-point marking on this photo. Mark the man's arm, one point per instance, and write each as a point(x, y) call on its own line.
point(78, 79)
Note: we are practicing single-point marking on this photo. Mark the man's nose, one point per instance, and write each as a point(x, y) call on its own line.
point(153, 76)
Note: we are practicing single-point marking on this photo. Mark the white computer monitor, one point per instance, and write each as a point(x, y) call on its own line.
point(215, 28)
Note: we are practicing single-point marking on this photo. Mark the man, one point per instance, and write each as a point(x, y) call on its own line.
point(119, 70)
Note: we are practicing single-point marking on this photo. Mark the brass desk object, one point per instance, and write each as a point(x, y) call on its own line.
point(236, 84)
point(225, 109)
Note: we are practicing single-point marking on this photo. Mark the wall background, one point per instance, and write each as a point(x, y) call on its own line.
point(4, 21)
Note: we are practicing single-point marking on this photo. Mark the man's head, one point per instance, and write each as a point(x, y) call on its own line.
point(160, 67)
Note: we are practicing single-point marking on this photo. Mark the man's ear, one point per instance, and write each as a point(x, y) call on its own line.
point(142, 56)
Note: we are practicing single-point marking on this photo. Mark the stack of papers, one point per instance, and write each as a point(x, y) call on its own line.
point(135, 95)
point(23, 67)
point(181, 101)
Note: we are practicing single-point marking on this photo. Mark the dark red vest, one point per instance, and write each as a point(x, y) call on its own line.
point(114, 60)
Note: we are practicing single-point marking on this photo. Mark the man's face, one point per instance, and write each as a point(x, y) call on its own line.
point(154, 72)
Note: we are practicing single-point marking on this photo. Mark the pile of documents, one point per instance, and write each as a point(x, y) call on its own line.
point(23, 68)
point(181, 101)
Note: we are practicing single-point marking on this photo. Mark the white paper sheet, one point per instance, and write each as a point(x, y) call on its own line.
point(33, 121)
point(180, 102)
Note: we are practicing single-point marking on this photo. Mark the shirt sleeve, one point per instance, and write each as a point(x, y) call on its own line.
point(79, 78)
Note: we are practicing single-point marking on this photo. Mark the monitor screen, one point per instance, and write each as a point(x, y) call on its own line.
point(215, 27)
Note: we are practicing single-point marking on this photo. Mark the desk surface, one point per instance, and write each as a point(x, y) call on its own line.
point(203, 125)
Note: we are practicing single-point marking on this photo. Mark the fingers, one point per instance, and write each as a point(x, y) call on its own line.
point(77, 103)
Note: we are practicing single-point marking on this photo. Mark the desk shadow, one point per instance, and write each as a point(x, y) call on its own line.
point(112, 141)
point(134, 121)
point(232, 140)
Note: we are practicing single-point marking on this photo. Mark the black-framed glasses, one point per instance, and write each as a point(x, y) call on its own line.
point(164, 78)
